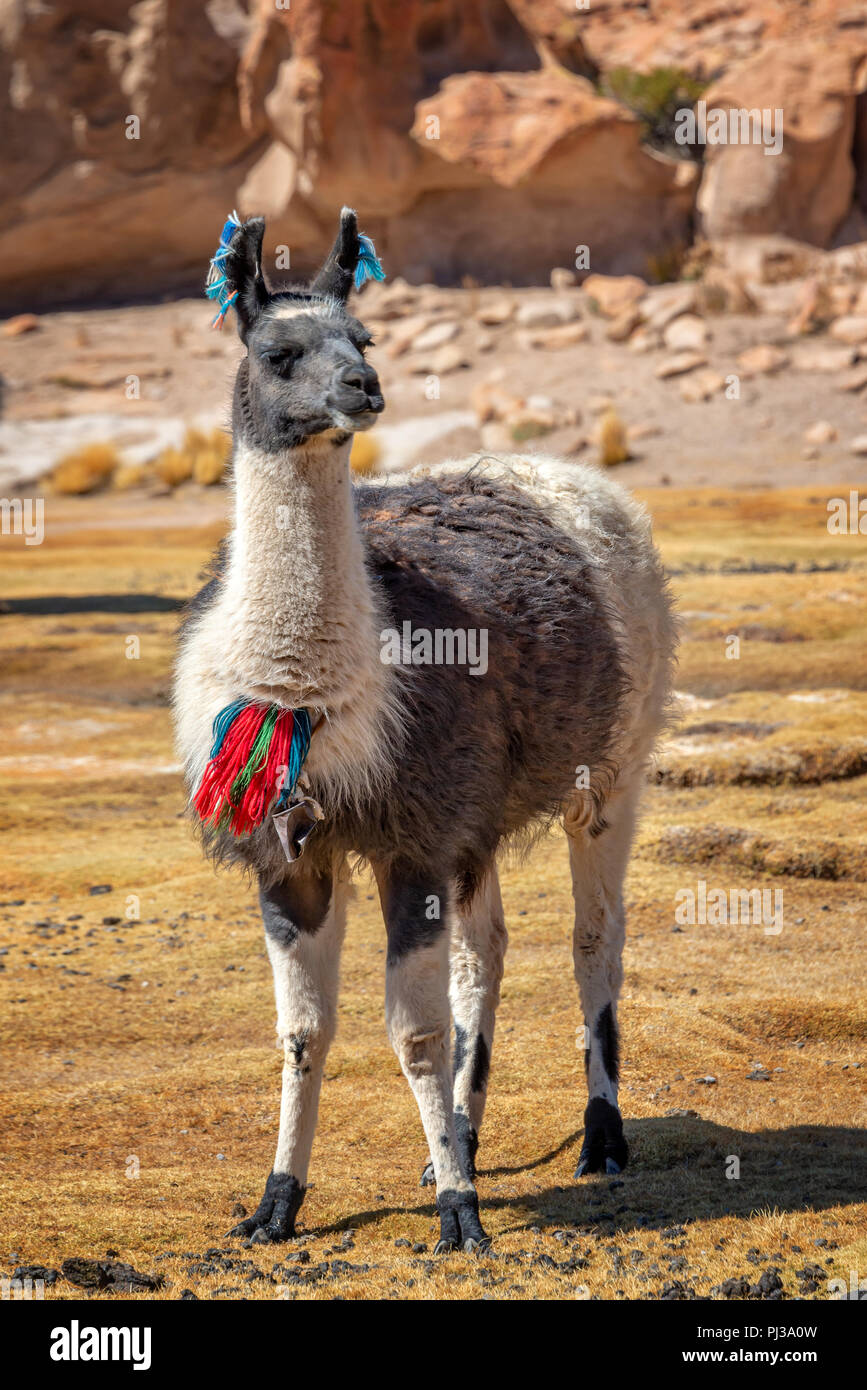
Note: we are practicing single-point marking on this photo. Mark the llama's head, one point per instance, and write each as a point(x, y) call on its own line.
point(305, 372)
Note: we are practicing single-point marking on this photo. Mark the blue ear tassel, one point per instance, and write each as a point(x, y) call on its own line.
point(369, 266)
point(216, 285)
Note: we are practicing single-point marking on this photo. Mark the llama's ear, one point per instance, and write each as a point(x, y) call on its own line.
point(235, 279)
point(352, 260)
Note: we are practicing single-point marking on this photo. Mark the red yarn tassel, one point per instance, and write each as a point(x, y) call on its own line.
point(266, 784)
point(213, 794)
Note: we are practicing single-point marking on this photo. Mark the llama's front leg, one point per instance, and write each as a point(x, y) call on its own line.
point(478, 948)
point(304, 920)
point(417, 1015)
point(598, 866)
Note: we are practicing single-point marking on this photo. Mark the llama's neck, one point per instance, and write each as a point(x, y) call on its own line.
point(301, 625)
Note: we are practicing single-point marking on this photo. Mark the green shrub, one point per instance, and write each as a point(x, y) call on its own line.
point(655, 98)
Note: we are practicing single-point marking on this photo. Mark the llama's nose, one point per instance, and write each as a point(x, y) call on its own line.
point(362, 379)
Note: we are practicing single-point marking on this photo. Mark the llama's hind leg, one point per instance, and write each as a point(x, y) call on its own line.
point(478, 947)
point(598, 865)
point(417, 1015)
point(304, 920)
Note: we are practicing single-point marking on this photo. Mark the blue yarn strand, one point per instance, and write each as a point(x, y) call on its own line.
point(369, 266)
point(223, 722)
point(298, 750)
point(216, 285)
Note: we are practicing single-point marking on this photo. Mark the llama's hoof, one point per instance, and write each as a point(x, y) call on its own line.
point(460, 1227)
point(604, 1148)
point(274, 1218)
point(427, 1177)
point(477, 1247)
point(444, 1247)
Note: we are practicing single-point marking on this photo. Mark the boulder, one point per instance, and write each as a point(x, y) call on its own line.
point(123, 147)
point(805, 190)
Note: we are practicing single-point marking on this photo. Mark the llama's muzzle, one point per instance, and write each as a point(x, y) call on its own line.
point(356, 391)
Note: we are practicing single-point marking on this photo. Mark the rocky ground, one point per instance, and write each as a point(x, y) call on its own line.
point(750, 373)
point(139, 1110)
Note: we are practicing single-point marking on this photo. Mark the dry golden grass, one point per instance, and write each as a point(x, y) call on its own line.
point(86, 470)
point(145, 1044)
point(202, 457)
point(611, 440)
point(364, 456)
point(129, 475)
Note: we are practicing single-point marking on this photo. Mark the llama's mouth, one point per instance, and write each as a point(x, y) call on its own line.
point(363, 419)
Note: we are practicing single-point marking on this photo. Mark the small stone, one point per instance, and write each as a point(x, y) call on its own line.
point(448, 359)
point(681, 363)
point(822, 432)
point(813, 357)
point(612, 294)
point(499, 311)
point(852, 328)
point(645, 340)
point(763, 359)
point(552, 339)
point(859, 445)
point(436, 335)
point(491, 402)
point(529, 424)
point(700, 386)
point(686, 333)
point(562, 278)
point(854, 380)
point(666, 302)
point(624, 325)
point(547, 313)
point(239, 1211)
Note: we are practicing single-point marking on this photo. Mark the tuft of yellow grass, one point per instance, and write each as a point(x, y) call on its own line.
point(174, 466)
point(128, 475)
point(202, 456)
point(210, 454)
point(85, 470)
point(613, 448)
point(364, 458)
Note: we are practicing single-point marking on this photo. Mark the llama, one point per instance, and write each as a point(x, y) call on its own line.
point(423, 770)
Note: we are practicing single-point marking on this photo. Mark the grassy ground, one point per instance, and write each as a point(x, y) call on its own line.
point(141, 1082)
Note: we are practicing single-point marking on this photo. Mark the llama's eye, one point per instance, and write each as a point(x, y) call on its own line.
point(282, 357)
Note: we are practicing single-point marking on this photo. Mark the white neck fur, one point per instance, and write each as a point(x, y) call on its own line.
point(297, 611)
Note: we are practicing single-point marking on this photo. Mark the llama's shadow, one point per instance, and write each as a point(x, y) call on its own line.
point(680, 1169)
